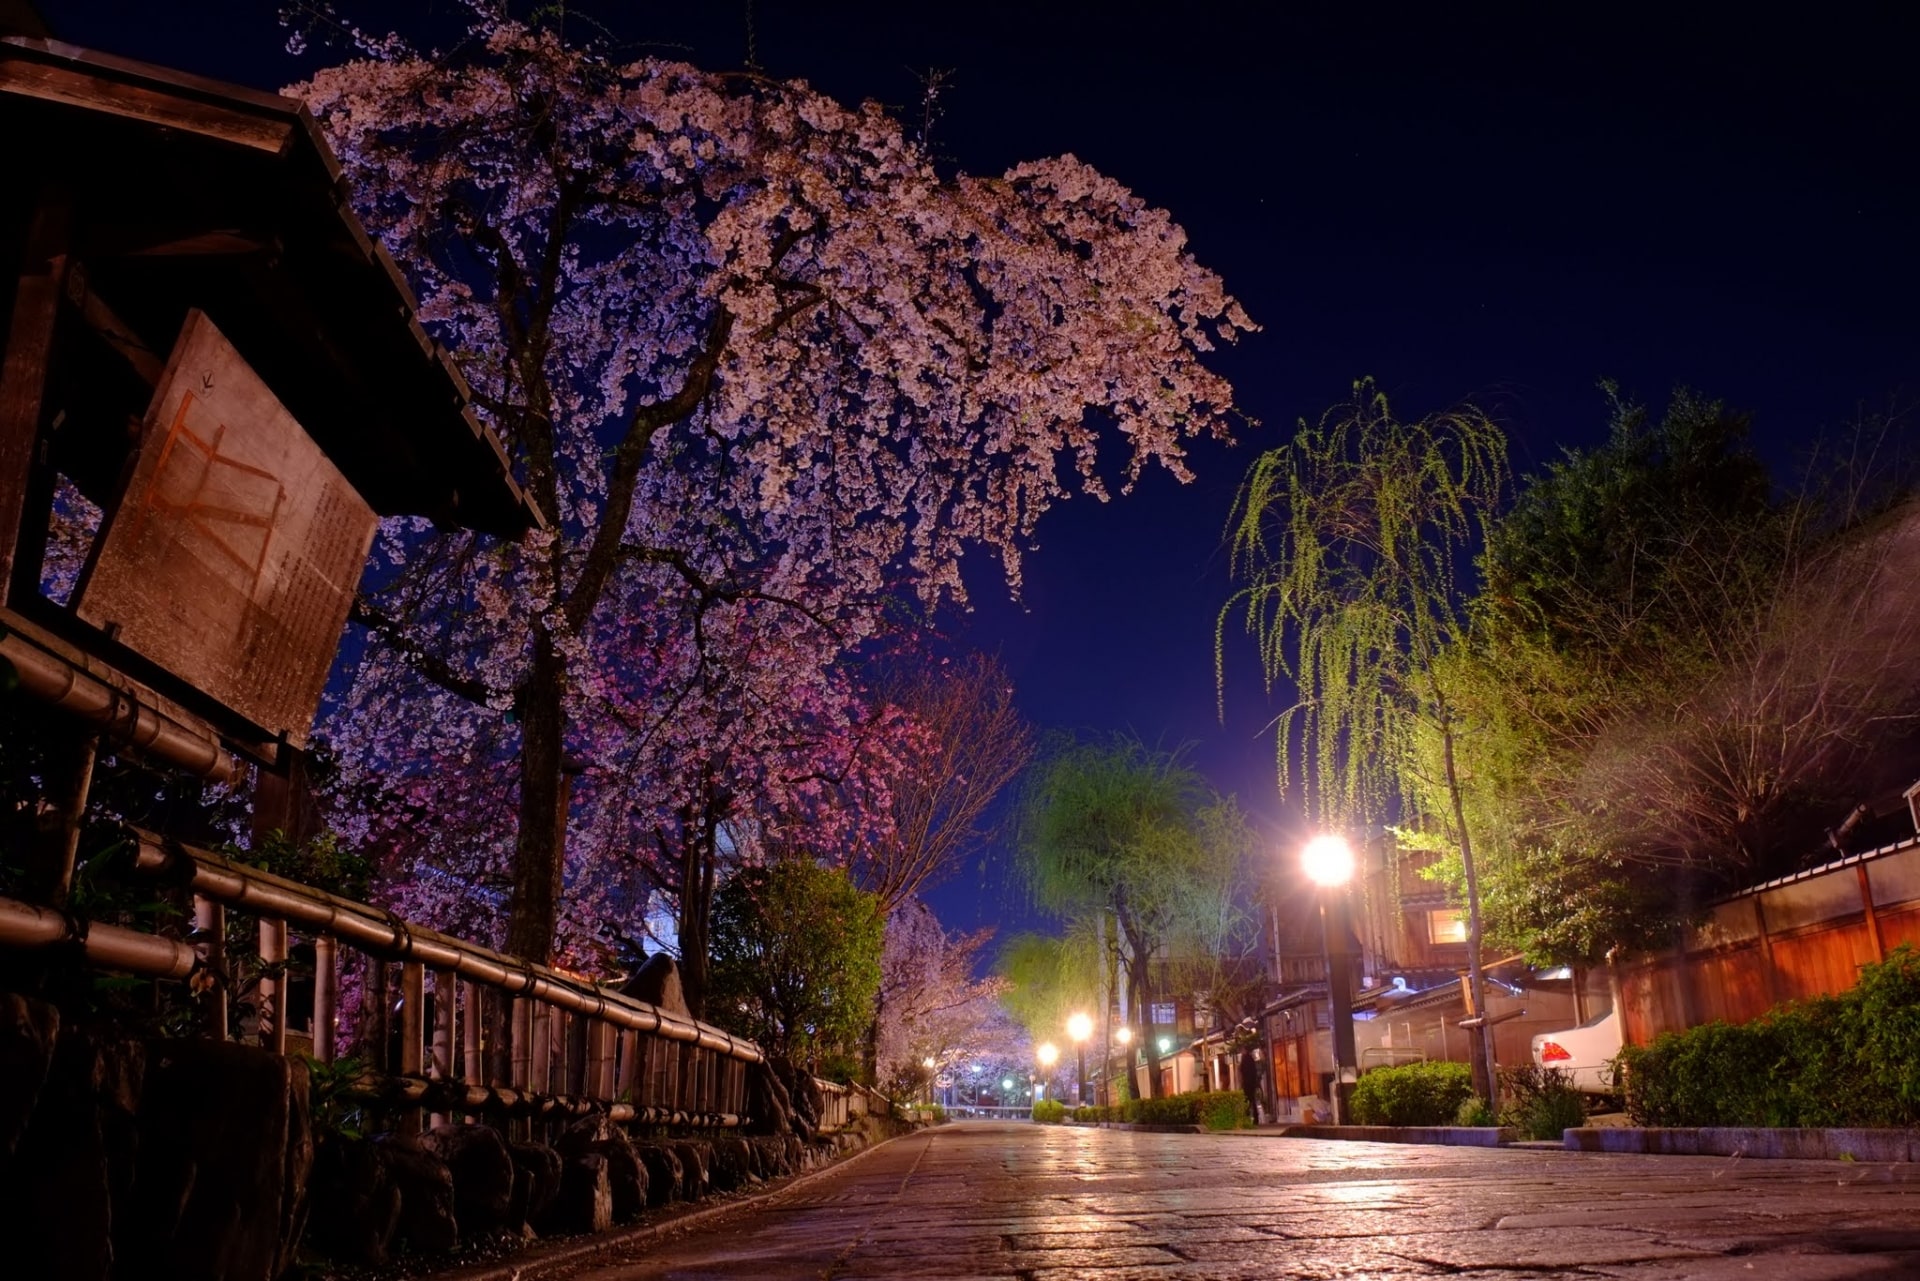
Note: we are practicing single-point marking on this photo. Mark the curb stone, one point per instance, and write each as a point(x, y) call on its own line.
point(1458, 1136)
point(1881, 1146)
point(535, 1262)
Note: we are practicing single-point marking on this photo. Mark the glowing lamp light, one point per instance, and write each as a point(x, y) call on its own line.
point(927, 1063)
point(1080, 1027)
point(1166, 1043)
point(1124, 1035)
point(1007, 1084)
point(1048, 1054)
point(1328, 861)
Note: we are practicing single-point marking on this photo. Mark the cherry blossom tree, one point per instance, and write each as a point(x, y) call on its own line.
point(763, 369)
point(930, 1005)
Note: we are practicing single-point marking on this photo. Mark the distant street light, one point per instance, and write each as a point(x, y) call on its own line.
point(1048, 1054)
point(1080, 1027)
point(1124, 1035)
point(1329, 863)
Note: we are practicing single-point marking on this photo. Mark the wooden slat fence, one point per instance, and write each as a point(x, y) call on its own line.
point(1798, 937)
point(446, 1027)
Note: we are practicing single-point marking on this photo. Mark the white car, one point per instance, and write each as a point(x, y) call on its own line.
point(1583, 1052)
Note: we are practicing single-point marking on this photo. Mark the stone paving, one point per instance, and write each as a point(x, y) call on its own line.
point(1050, 1203)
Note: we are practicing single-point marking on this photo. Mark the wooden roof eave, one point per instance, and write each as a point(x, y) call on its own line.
point(264, 123)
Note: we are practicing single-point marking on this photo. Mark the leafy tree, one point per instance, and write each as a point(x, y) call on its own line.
point(1349, 538)
point(1131, 847)
point(764, 370)
point(796, 957)
point(1677, 678)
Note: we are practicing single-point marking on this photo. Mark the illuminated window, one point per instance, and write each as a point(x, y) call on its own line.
point(1446, 925)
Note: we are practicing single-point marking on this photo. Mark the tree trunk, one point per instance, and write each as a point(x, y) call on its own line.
point(539, 857)
point(1488, 1081)
point(699, 854)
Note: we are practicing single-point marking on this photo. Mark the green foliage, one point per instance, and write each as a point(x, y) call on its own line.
point(1475, 1111)
point(1542, 1102)
point(1050, 1111)
point(1412, 1094)
point(1092, 1112)
point(796, 957)
point(1349, 538)
point(1225, 1110)
point(335, 1111)
point(1141, 858)
point(939, 1114)
point(323, 862)
point(1850, 1060)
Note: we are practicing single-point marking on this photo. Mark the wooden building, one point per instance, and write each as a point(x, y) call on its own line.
point(214, 384)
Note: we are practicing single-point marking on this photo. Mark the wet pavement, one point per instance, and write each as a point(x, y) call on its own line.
point(1049, 1203)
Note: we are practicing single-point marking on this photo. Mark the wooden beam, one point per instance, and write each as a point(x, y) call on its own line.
point(113, 331)
point(70, 86)
point(1874, 938)
point(25, 364)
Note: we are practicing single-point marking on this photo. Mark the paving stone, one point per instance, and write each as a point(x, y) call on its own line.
point(1040, 1203)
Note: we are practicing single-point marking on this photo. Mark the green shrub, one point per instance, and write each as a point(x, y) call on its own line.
point(1225, 1110)
point(1170, 1111)
point(1542, 1102)
point(1412, 1094)
point(1049, 1111)
point(1090, 1112)
point(1847, 1060)
point(939, 1115)
point(1475, 1111)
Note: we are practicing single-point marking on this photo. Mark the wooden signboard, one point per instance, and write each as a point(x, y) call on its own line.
point(234, 556)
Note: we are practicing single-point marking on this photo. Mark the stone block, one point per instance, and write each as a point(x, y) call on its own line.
point(537, 1169)
point(665, 1176)
point(693, 1168)
point(29, 1030)
point(732, 1163)
point(225, 1158)
point(356, 1203)
point(427, 1222)
point(477, 1158)
point(585, 1200)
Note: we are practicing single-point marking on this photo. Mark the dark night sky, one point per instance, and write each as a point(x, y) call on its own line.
point(1505, 207)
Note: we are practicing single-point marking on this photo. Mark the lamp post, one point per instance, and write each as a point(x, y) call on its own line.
point(1329, 864)
point(1048, 1054)
point(1080, 1027)
point(1124, 1035)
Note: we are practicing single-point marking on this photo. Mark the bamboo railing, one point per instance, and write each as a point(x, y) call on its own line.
point(446, 1027)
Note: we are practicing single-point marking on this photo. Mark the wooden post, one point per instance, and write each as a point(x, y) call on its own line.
point(598, 1081)
point(579, 1045)
point(272, 1007)
point(540, 1072)
point(379, 1012)
point(520, 1040)
point(1874, 939)
point(23, 382)
point(474, 1003)
point(440, 1064)
point(1771, 975)
point(413, 998)
point(626, 1082)
point(58, 838)
point(210, 922)
point(325, 979)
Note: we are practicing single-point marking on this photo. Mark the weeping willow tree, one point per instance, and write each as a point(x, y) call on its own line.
point(1349, 540)
point(1134, 850)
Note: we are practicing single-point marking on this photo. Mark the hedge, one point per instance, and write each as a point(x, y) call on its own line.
point(1049, 1111)
point(1412, 1094)
point(1847, 1060)
point(1217, 1110)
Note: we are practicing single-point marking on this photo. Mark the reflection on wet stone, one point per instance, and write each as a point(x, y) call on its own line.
point(1045, 1203)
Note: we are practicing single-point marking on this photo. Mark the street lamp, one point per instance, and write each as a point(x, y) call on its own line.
point(1329, 863)
point(930, 1065)
point(1049, 1054)
point(1080, 1027)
